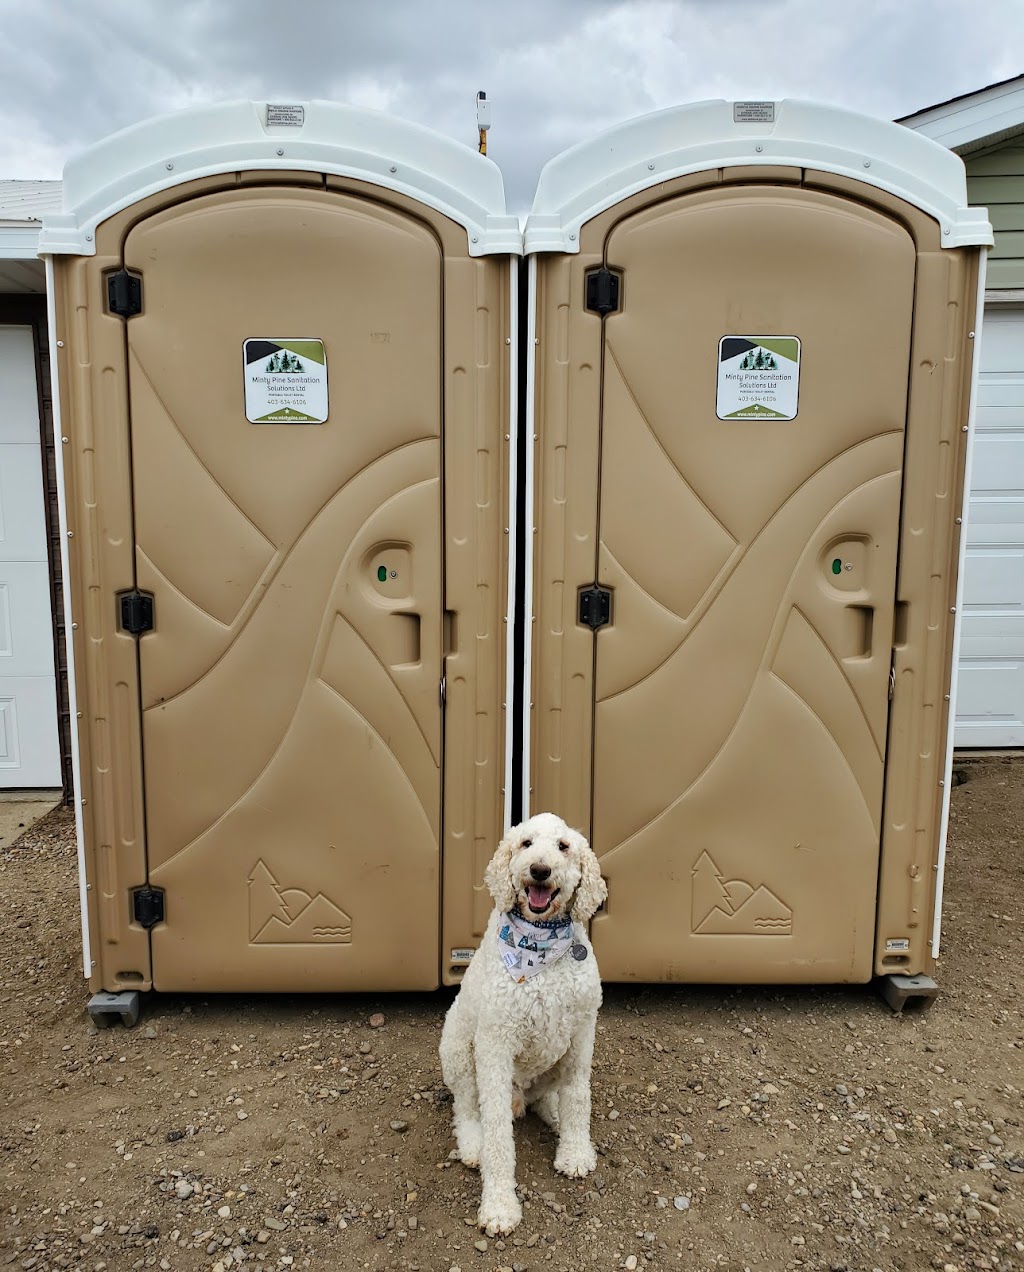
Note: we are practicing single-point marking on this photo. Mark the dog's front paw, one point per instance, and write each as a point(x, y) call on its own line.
point(575, 1158)
point(470, 1141)
point(500, 1213)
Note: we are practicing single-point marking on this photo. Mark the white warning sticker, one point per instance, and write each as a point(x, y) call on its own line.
point(290, 116)
point(758, 377)
point(753, 112)
point(897, 945)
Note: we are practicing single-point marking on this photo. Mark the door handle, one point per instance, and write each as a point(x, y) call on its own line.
point(863, 624)
point(407, 641)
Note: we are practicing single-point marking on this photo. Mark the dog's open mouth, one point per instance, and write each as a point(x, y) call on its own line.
point(539, 896)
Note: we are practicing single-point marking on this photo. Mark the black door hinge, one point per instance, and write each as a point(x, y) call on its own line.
point(595, 606)
point(124, 294)
point(603, 290)
point(136, 612)
point(148, 906)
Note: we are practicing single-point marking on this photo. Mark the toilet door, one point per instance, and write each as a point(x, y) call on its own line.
point(286, 454)
point(754, 394)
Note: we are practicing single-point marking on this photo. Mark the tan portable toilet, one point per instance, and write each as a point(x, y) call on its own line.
point(284, 343)
point(755, 328)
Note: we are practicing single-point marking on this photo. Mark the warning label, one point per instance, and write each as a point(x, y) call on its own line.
point(753, 112)
point(285, 116)
point(758, 377)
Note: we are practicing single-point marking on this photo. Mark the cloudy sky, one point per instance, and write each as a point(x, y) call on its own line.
point(72, 71)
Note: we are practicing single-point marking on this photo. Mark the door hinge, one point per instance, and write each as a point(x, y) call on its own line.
point(603, 290)
point(148, 906)
point(595, 606)
point(892, 680)
point(444, 688)
point(124, 294)
point(136, 611)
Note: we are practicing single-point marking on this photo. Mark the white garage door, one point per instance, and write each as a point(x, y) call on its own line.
point(990, 694)
point(29, 750)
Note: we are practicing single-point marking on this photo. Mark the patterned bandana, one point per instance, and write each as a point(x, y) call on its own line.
point(527, 948)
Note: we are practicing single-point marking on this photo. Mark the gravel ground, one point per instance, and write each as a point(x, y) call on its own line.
point(737, 1128)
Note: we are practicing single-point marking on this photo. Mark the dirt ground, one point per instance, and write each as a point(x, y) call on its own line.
point(737, 1128)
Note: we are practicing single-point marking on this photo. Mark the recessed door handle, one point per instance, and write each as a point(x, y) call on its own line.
point(863, 617)
point(406, 644)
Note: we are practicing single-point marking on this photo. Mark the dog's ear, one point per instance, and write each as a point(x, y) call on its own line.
point(592, 890)
point(497, 877)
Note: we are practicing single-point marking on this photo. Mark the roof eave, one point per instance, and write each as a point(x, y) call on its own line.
point(19, 242)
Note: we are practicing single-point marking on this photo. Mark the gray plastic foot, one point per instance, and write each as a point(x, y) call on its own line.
point(899, 990)
point(106, 1009)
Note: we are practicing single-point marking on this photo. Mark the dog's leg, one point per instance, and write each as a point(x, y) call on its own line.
point(542, 1097)
point(458, 1068)
point(576, 1155)
point(500, 1210)
point(546, 1108)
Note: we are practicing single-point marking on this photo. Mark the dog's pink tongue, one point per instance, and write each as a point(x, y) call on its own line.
point(538, 896)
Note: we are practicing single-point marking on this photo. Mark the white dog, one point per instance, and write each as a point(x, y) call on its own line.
point(521, 1031)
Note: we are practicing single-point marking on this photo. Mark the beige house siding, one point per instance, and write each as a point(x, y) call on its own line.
point(995, 179)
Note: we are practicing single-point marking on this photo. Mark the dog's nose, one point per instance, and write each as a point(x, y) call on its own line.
point(540, 873)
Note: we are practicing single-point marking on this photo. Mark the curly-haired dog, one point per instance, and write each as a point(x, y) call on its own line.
point(520, 1034)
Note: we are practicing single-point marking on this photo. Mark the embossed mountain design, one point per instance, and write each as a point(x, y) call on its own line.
point(734, 907)
point(290, 916)
point(762, 914)
point(321, 922)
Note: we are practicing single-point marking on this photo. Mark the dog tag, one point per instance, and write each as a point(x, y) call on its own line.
point(579, 952)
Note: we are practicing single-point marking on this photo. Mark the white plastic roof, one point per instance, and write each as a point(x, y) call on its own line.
point(235, 136)
point(582, 182)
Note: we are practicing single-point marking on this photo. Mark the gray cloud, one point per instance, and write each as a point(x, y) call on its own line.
point(555, 72)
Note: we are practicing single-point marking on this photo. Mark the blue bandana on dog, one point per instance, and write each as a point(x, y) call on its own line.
point(527, 948)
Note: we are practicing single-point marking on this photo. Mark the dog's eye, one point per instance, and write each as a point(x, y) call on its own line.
point(563, 845)
point(527, 843)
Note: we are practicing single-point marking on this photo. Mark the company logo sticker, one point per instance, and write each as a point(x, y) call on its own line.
point(285, 381)
point(758, 378)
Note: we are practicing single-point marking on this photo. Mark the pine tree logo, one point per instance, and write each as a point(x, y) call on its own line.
point(759, 360)
point(284, 363)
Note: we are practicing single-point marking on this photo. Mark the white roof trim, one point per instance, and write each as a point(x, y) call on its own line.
point(234, 137)
point(580, 183)
point(19, 242)
point(975, 121)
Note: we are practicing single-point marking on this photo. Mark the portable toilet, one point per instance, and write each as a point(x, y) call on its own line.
point(284, 369)
point(753, 332)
